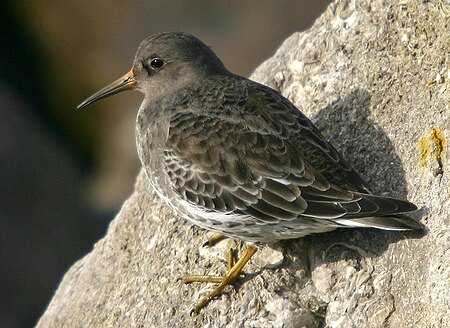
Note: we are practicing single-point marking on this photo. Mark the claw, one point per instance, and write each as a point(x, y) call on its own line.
point(213, 240)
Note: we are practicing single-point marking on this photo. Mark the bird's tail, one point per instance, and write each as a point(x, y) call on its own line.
point(399, 222)
point(388, 215)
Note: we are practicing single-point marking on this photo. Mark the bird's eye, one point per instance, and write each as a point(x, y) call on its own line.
point(157, 63)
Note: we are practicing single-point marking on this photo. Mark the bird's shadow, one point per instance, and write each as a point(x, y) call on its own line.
point(366, 147)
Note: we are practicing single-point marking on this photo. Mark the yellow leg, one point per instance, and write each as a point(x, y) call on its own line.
point(234, 272)
point(230, 260)
point(212, 279)
point(214, 240)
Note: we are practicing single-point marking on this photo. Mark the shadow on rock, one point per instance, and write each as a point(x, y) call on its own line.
point(367, 148)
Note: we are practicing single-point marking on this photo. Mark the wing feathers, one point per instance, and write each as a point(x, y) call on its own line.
point(296, 206)
point(273, 211)
point(267, 160)
point(281, 190)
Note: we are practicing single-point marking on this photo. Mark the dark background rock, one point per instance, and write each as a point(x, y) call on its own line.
point(375, 77)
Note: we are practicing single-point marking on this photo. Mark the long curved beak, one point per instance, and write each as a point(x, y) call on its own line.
point(126, 82)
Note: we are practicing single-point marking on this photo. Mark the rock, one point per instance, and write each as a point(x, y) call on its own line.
point(375, 95)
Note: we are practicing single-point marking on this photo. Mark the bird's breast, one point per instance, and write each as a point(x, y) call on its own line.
point(151, 137)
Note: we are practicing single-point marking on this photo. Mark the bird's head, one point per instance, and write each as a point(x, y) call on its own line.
point(164, 62)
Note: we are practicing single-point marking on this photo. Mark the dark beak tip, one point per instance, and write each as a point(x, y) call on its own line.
point(83, 104)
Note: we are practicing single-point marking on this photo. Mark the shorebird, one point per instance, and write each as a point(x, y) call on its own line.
point(235, 157)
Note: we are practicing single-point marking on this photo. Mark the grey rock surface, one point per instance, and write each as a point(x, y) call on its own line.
point(374, 76)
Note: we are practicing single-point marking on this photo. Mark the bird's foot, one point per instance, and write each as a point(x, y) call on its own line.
point(234, 273)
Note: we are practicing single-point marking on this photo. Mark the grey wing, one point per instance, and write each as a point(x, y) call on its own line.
point(257, 165)
point(231, 171)
point(281, 117)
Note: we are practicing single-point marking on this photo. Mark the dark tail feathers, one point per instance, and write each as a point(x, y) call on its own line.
point(382, 213)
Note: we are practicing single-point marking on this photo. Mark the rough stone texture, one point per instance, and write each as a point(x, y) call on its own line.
point(375, 78)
